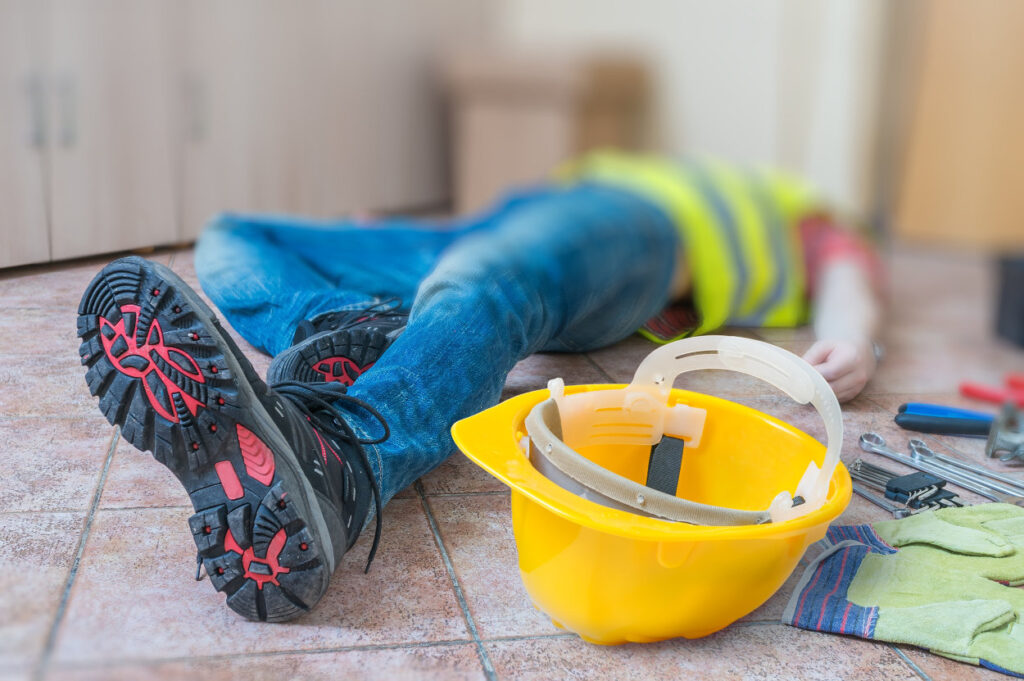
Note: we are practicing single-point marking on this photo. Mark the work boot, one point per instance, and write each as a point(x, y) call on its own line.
point(337, 347)
point(280, 483)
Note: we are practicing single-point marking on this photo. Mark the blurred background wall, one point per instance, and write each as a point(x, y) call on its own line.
point(794, 83)
point(128, 124)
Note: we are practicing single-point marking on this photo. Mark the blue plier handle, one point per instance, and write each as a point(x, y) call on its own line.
point(936, 418)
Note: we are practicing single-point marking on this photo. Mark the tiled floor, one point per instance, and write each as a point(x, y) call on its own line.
point(96, 565)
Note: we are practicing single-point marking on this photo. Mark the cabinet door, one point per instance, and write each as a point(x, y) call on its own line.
point(964, 161)
point(24, 234)
point(321, 108)
point(112, 169)
point(255, 125)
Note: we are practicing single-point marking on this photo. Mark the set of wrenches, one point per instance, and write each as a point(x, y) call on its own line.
point(977, 479)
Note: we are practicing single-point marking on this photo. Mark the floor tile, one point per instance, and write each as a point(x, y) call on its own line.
point(136, 479)
point(477, 532)
point(938, 667)
point(58, 285)
point(36, 553)
point(45, 385)
point(50, 332)
point(51, 464)
point(620, 361)
point(783, 335)
point(458, 662)
point(534, 372)
point(135, 613)
point(459, 475)
point(939, 366)
point(135, 598)
point(759, 651)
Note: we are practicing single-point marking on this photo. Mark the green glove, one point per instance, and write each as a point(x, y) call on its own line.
point(986, 540)
point(934, 592)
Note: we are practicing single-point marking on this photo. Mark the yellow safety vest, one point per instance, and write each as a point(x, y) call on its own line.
point(738, 231)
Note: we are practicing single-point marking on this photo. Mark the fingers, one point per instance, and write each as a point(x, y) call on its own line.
point(848, 387)
point(840, 362)
point(843, 365)
point(818, 352)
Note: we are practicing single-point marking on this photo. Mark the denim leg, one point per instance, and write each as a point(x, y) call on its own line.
point(267, 274)
point(571, 270)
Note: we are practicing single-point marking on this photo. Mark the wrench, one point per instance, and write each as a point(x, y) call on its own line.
point(875, 443)
point(897, 511)
point(920, 450)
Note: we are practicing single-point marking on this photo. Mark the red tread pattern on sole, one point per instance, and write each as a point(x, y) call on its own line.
point(347, 374)
point(177, 359)
point(270, 560)
point(259, 460)
point(229, 480)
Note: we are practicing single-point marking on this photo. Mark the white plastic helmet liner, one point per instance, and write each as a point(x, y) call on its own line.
point(565, 467)
point(639, 415)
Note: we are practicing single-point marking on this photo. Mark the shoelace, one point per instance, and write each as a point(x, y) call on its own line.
point(382, 308)
point(343, 319)
point(317, 401)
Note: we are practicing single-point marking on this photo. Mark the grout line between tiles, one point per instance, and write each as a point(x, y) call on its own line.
point(870, 398)
point(447, 643)
point(51, 638)
point(149, 661)
point(531, 637)
point(911, 663)
point(65, 511)
point(600, 369)
point(489, 493)
point(485, 660)
point(148, 508)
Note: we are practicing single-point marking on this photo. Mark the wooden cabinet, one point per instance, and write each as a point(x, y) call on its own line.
point(964, 167)
point(135, 122)
point(323, 111)
point(24, 237)
point(112, 175)
point(271, 104)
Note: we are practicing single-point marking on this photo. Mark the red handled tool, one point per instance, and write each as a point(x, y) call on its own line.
point(1012, 390)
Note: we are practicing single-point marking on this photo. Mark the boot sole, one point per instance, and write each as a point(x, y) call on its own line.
point(167, 373)
point(342, 355)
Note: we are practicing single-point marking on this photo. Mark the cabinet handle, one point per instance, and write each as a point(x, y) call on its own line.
point(194, 96)
point(67, 102)
point(37, 111)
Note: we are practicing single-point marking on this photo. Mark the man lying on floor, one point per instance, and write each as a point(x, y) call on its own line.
point(284, 478)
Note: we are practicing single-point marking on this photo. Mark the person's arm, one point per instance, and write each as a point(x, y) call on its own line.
point(846, 318)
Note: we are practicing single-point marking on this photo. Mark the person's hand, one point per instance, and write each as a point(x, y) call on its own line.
point(846, 365)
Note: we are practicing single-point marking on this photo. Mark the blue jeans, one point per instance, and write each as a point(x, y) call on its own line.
point(556, 269)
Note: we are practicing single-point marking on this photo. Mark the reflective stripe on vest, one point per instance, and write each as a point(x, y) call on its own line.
point(737, 227)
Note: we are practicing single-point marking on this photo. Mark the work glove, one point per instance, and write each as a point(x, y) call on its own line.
point(986, 540)
point(925, 580)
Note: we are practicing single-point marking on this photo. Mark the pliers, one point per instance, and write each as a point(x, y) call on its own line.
point(937, 418)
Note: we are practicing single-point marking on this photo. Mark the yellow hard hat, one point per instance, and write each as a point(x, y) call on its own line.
point(612, 558)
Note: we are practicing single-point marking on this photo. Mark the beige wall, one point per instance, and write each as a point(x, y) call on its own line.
point(790, 82)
